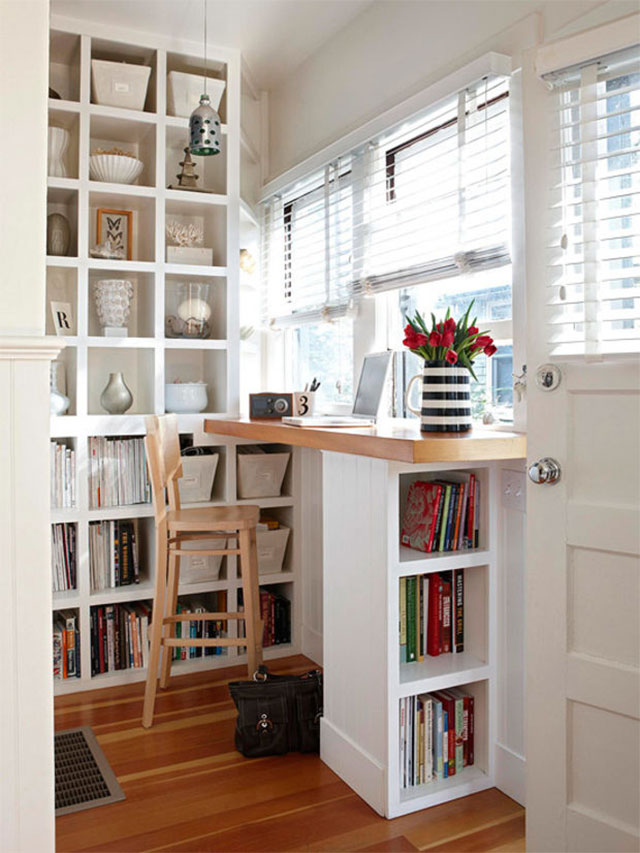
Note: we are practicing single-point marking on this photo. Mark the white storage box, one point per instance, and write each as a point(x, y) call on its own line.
point(119, 84)
point(190, 255)
point(271, 546)
point(184, 90)
point(260, 475)
point(198, 473)
point(201, 568)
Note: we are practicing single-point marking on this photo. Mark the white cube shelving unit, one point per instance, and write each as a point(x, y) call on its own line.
point(147, 357)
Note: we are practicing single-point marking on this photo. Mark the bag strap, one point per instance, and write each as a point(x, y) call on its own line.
point(263, 674)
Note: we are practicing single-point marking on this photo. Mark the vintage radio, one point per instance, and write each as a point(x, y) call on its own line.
point(270, 405)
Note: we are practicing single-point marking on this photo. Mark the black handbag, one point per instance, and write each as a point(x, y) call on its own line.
point(278, 713)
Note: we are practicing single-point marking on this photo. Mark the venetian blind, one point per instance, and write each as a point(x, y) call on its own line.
point(594, 250)
point(425, 200)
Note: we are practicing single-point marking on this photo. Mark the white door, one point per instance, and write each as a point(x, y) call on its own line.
point(583, 690)
point(583, 532)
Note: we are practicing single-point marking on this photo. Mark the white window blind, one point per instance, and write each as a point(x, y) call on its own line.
point(426, 200)
point(594, 251)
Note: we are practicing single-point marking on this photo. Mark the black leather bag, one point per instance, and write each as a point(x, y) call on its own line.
point(278, 713)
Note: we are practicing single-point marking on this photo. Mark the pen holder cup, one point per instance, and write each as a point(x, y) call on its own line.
point(304, 403)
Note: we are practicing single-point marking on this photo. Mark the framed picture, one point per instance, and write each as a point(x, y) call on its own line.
point(116, 226)
point(62, 314)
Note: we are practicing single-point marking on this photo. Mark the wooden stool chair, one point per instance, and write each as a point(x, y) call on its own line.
point(174, 526)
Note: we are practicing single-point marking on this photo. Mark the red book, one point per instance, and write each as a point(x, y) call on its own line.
point(472, 724)
point(435, 615)
point(445, 636)
point(449, 705)
point(101, 637)
point(471, 509)
point(421, 515)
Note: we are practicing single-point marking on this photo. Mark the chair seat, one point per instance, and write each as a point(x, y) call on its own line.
point(213, 518)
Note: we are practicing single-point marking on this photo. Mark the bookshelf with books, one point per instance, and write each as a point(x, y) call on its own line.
point(425, 614)
point(98, 484)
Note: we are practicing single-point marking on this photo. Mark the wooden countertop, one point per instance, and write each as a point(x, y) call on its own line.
point(396, 440)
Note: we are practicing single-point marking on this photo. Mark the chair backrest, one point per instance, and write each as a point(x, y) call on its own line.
point(162, 444)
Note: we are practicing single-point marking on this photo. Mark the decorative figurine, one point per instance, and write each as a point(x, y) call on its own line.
point(107, 250)
point(187, 177)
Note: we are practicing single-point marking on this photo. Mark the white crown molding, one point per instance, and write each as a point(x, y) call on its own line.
point(32, 348)
point(588, 45)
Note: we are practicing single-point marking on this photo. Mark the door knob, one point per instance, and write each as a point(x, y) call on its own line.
point(545, 471)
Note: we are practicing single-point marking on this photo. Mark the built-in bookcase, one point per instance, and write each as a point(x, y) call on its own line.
point(147, 356)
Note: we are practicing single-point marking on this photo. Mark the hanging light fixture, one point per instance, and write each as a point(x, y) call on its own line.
point(204, 124)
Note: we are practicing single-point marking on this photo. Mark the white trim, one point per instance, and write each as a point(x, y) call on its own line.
point(490, 63)
point(43, 348)
point(588, 45)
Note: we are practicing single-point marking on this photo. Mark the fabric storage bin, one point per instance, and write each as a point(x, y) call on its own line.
point(198, 473)
point(119, 84)
point(271, 546)
point(201, 568)
point(260, 475)
point(184, 90)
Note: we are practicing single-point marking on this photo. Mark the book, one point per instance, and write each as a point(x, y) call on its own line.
point(448, 704)
point(411, 619)
point(457, 710)
point(403, 620)
point(420, 515)
point(435, 616)
point(445, 514)
point(445, 635)
point(458, 598)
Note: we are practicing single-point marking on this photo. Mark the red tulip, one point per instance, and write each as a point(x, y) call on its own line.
point(450, 325)
point(435, 339)
point(414, 340)
point(483, 341)
point(447, 338)
point(451, 356)
point(473, 330)
point(489, 350)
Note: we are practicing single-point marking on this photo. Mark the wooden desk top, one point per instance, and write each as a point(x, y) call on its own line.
point(396, 440)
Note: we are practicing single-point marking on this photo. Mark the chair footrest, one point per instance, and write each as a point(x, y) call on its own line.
point(200, 617)
point(203, 552)
point(179, 642)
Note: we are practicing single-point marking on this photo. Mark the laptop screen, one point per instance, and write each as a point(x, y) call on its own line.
point(371, 384)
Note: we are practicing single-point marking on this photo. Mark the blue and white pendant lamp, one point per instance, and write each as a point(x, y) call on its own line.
point(204, 124)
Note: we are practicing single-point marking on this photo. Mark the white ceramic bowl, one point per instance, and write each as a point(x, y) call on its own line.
point(114, 168)
point(185, 397)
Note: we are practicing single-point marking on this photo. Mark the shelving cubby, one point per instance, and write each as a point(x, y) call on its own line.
point(146, 356)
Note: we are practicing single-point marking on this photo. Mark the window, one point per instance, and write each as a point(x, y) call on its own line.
point(594, 284)
point(424, 211)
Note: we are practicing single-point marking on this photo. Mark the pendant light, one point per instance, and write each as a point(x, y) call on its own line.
point(204, 124)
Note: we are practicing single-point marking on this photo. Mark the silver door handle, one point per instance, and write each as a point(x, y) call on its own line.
point(545, 471)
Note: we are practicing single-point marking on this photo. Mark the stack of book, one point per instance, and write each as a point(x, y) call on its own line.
point(199, 628)
point(113, 554)
point(436, 736)
point(275, 611)
point(441, 515)
point(119, 636)
point(431, 615)
point(66, 644)
point(63, 476)
point(64, 566)
point(117, 472)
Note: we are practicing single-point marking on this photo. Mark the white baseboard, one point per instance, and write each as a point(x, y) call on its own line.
point(312, 644)
point(357, 768)
point(510, 773)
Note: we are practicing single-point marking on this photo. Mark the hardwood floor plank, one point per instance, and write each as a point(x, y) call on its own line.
point(188, 789)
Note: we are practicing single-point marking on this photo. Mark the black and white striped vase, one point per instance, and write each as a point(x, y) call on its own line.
point(446, 397)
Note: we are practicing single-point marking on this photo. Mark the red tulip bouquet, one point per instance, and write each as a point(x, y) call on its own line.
point(458, 342)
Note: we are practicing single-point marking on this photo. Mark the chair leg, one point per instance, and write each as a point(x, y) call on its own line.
point(170, 630)
point(250, 587)
point(156, 628)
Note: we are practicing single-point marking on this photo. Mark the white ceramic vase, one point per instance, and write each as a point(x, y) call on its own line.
point(113, 302)
point(58, 234)
point(58, 144)
point(58, 402)
point(116, 398)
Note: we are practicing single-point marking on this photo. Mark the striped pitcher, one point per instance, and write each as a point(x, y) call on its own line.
point(446, 398)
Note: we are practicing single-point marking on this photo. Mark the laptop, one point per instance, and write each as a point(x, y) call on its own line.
point(368, 396)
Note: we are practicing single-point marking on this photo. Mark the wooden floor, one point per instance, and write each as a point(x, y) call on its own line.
point(188, 789)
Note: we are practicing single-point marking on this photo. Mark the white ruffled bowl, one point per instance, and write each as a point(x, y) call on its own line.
point(114, 168)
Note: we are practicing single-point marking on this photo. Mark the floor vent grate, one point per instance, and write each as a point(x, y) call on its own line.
point(84, 778)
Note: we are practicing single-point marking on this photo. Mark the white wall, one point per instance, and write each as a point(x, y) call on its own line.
point(393, 50)
point(26, 695)
point(24, 51)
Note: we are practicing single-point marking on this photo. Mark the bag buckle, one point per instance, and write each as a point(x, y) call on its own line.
point(264, 724)
point(260, 674)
